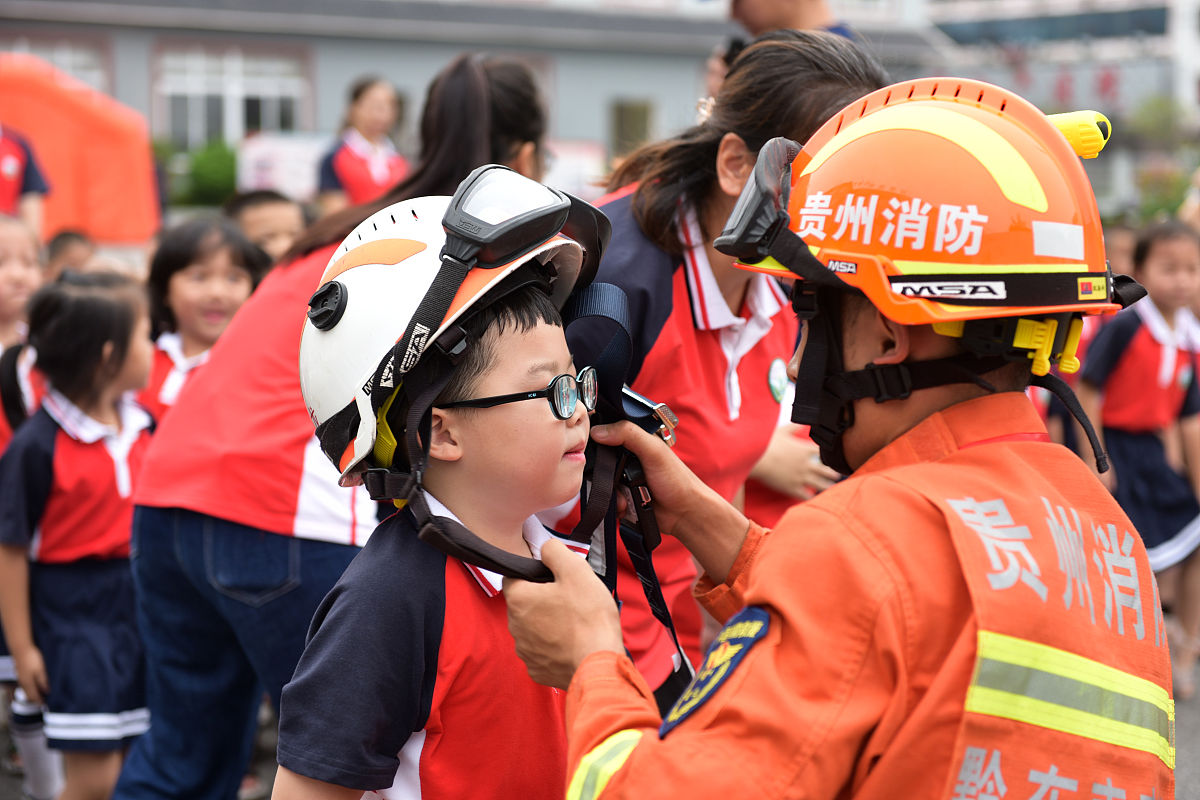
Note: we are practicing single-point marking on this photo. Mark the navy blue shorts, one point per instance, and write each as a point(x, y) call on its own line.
point(1158, 500)
point(84, 624)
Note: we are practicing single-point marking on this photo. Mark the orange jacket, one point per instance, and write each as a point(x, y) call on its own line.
point(850, 670)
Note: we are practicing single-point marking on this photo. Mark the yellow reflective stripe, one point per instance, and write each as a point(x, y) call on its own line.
point(597, 767)
point(981, 700)
point(1008, 168)
point(939, 267)
point(999, 647)
point(1052, 688)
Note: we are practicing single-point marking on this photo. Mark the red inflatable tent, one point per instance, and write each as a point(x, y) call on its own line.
point(94, 151)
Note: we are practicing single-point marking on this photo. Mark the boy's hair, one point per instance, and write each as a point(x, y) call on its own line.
point(1159, 232)
point(64, 239)
point(70, 321)
point(186, 244)
point(519, 311)
point(241, 202)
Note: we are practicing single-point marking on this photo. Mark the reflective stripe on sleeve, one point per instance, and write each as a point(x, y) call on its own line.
point(1052, 688)
point(597, 767)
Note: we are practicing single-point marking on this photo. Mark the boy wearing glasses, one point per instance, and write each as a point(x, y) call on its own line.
point(409, 684)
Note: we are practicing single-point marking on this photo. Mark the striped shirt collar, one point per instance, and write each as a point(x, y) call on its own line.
point(764, 297)
point(88, 430)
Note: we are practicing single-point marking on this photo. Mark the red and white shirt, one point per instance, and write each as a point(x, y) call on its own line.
point(410, 686)
point(239, 444)
point(68, 482)
point(360, 168)
point(169, 372)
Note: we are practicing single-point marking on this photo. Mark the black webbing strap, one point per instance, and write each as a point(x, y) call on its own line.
point(897, 381)
point(1063, 392)
point(602, 303)
point(424, 323)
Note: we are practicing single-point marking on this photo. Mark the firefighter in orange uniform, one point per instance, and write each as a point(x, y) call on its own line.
point(969, 615)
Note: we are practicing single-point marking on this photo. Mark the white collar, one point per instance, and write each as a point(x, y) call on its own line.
point(535, 533)
point(171, 343)
point(764, 298)
point(86, 429)
point(1184, 333)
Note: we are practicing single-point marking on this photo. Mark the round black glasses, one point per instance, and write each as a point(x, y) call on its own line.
point(564, 392)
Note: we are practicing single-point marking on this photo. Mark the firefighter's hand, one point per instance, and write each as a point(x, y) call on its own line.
point(684, 506)
point(557, 625)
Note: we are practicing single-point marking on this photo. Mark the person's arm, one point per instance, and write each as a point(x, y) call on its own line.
point(331, 194)
point(1189, 432)
point(366, 677)
point(29, 211)
point(792, 465)
point(26, 473)
point(291, 786)
point(1189, 429)
point(14, 618)
point(746, 727)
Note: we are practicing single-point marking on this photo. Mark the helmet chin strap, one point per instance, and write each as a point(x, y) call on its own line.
point(826, 391)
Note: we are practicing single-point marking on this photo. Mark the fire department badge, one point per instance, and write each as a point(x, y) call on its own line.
point(726, 652)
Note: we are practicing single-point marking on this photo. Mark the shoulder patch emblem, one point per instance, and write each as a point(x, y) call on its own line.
point(724, 654)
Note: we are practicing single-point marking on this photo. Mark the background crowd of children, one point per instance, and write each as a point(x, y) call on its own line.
point(93, 361)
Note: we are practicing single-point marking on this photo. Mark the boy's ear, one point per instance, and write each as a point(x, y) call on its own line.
point(444, 442)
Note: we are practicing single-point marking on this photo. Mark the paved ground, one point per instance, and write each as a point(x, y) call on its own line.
point(264, 765)
point(1187, 773)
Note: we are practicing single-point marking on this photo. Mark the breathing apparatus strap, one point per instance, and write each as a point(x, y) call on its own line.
point(606, 304)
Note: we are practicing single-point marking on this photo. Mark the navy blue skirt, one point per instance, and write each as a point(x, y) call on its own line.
point(84, 623)
point(1158, 500)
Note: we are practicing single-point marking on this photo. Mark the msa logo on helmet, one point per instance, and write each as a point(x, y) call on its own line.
point(416, 346)
point(845, 267)
point(385, 380)
point(957, 290)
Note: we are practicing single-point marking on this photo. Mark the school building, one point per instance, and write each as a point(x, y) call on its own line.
point(613, 72)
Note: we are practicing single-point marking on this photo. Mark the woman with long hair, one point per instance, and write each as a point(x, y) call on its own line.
point(364, 163)
point(709, 340)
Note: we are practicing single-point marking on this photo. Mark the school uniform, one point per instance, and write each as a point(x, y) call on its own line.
point(1147, 372)
point(722, 373)
point(361, 169)
point(170, 370)
point(409, 684)
point(19, 172)
point(68, 499)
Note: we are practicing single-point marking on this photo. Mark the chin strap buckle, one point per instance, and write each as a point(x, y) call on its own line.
point(892, 381)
